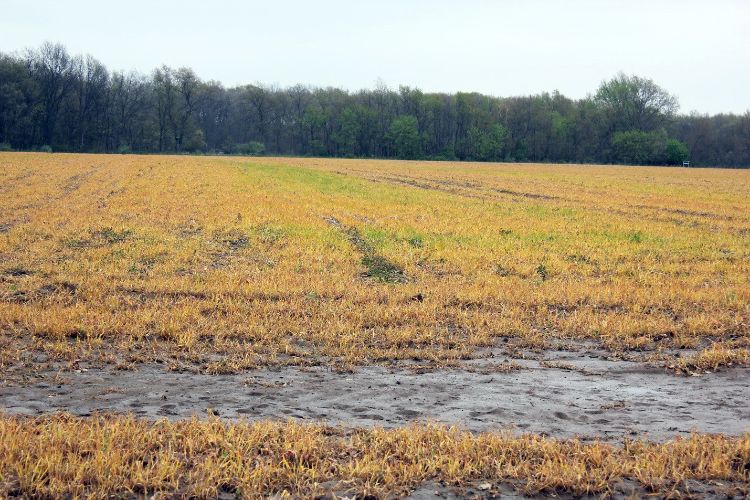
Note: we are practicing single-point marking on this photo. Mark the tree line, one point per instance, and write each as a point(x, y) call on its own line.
point(51, 100)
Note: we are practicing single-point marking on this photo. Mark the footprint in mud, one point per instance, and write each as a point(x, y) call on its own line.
point(486, 413)
point(370, 416)
point(406, 413)
point(167, 410)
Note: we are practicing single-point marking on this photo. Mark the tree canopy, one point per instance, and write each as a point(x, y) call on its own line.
point(634, 103)
point(52, 100)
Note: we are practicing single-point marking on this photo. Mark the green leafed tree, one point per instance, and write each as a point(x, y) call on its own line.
point(635, 103)
point(404, 135)
point(488, 145)
point(347, 134)
point(314, 124)
point(636, 147)
point(676, 152)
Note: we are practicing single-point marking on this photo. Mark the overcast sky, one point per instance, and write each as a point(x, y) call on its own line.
point(698, 50)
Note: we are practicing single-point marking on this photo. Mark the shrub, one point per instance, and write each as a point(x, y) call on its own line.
point(636, 147)
point(195, 142)
point(252, 148)
point(5, 146)
point(45, 149)
point(677, 152)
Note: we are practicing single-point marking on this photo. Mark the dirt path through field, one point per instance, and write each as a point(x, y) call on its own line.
point(603, 399)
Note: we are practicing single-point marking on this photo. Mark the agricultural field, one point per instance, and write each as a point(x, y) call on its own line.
point(258, 326)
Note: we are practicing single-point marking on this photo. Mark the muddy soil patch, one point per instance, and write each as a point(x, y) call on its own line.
point(605, 399)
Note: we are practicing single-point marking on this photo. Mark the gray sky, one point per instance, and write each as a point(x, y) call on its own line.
point(697, 50)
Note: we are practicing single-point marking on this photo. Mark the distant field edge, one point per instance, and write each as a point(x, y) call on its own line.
point(373, 158)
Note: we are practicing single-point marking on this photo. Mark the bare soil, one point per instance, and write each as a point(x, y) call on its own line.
point(575, 395)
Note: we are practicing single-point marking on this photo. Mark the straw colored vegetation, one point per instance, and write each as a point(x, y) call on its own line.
point(231, 263)
point(104, 456)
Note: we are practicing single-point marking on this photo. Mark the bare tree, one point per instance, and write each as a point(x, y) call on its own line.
point(187, 85)
point(90, 81)
point(164, 88)
point(129, 99)
point(51, 68)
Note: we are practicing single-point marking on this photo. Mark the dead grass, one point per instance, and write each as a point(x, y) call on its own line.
point(712, 359)
point(101, 456)
point(230, 263)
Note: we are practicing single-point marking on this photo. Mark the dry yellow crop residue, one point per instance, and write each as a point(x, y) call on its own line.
point(233, 263)
point(99, 456)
